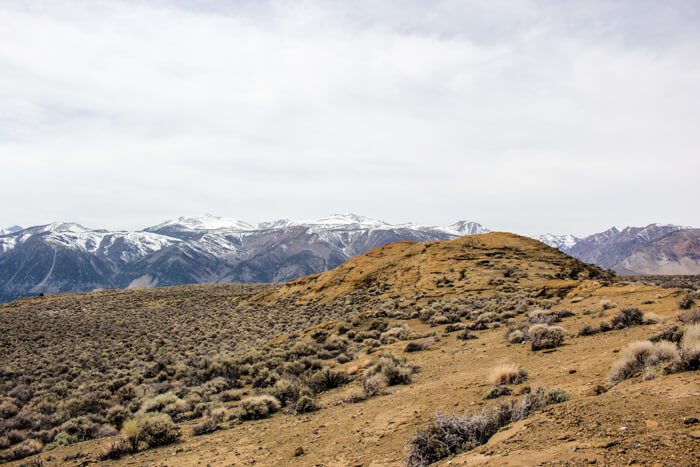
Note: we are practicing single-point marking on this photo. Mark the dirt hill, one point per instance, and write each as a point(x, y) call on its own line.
point(378, 345)
point(474, 264)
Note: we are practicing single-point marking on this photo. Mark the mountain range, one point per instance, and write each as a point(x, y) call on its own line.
point(67, 257)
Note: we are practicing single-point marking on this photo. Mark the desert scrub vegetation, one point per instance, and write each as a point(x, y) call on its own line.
point(540, 336)
point(145, 431)
point(104, 361)
point(652, 359)
point(385, 370)
point(448, 435)
point(540, 329)
point(625, 318)
point(257, 407)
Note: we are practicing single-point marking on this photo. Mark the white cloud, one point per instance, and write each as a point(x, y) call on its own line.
point(525, 116)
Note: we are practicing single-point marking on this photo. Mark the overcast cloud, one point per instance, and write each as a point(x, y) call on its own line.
point(527, 116)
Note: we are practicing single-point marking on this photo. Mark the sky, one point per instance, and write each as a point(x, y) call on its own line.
point(525, 116)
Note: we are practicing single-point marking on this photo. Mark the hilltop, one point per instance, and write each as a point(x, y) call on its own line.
point(359, 360)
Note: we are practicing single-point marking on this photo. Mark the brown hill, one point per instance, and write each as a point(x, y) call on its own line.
point(411, 272)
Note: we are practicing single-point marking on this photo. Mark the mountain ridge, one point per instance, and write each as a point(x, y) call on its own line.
point(68, 257)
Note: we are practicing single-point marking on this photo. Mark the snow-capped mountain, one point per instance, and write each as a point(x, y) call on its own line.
point(67, 257)
point(562, 242)
point(614, 247)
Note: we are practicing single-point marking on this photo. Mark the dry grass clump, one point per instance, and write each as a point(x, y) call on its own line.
point(641, 356)
point(507, 373)
point(651, 359)
point(453, 434)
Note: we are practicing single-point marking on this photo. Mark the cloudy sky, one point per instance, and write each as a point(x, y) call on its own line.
point(528, 116)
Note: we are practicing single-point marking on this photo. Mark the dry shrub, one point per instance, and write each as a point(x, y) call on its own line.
point(641, 356)
point(26, 448)
point(498, 391)
point(689, 317)
point(507, 373)
point(627, 317)
point(543, 336)
point(327, 379)
point(206, 427)
point(686, 301)
point(689, 350)
point(288, 391)
point(370, 386)
point(393, 370)
point(157, 429)
point(258, 407)
point(449, 435)
point(305, 404)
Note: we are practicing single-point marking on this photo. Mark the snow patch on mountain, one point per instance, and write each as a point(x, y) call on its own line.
point(205, 222)
point(562, 242)
point(347, 220)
